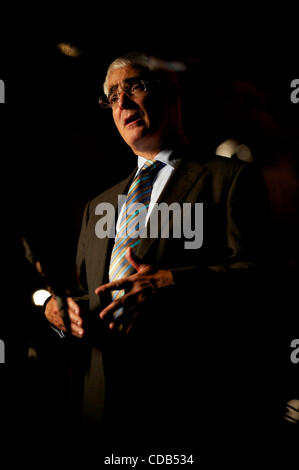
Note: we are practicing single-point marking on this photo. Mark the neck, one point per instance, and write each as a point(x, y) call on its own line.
point(151, 153)
point(148, 155)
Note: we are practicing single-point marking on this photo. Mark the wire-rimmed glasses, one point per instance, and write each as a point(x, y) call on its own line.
point(134, 88)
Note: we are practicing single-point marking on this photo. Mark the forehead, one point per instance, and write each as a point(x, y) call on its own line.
point(118, 76)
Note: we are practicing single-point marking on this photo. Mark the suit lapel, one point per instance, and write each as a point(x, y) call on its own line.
point(121, 189)
point(104, 245)
point(180, 183)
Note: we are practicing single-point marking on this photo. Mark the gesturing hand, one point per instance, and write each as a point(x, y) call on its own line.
point(140, 287)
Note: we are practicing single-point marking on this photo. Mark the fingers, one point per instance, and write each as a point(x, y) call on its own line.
point(134, 260)
point(73, 306)
point(119, 284)
point(76, 330)
point(124, 282)
point(107, 312)
point(138, 287)
point(128, 303)
point(76, 320)
point(53, 315)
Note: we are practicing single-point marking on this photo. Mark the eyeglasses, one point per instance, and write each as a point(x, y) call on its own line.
point(135, 88)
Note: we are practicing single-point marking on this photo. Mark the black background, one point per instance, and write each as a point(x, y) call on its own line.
point(59, 148)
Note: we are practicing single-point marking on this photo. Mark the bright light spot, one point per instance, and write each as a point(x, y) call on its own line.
point(244, 153)
point(67, 49)
point(227, 148)
point(40, 296)
point(231, 147)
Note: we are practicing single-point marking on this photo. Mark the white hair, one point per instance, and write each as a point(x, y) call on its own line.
point(166, 71)
point(134, 59)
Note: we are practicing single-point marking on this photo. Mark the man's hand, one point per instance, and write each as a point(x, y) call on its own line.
point(140, 286)
point(53, 315)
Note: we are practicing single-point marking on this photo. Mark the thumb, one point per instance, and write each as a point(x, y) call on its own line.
point(134, 260)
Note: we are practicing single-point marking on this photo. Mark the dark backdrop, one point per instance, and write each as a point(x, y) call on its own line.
point(59, 149)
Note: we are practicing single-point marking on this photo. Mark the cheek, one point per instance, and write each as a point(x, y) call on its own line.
point(117, 123)
point(115, 118)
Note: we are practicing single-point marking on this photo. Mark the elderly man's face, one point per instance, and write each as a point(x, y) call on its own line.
point(141, 119)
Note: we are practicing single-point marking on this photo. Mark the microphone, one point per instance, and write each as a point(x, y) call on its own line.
point(55, 290)
point(292, 411)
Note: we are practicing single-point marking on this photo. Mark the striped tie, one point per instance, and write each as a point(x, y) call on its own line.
point(132, 223)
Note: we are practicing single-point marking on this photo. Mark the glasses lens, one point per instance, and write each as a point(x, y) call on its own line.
point(137, 86)
point(133, 88)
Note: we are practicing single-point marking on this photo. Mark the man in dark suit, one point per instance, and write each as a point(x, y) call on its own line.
point(175, 364)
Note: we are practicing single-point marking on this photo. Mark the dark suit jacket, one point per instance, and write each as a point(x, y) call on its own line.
point(188, 355)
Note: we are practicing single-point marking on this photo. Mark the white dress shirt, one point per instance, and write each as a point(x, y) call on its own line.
point(159, 182)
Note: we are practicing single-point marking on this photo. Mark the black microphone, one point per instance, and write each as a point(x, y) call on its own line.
point(55, 290)
point(292, 411)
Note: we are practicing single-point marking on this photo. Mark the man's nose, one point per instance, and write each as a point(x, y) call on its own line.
point(125, 101)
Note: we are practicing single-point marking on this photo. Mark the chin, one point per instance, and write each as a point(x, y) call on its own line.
point(136, 138)
point(141, 140)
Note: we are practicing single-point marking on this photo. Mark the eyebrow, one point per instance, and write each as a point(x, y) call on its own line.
point(125, 81)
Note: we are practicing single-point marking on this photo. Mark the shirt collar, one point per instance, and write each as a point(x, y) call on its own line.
point(163, 156)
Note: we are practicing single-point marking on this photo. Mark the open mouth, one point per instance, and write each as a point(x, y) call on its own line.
point(132, 120)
